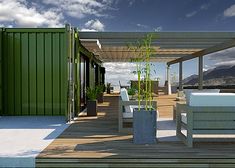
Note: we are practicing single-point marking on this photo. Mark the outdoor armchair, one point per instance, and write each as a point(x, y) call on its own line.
point(126, 109)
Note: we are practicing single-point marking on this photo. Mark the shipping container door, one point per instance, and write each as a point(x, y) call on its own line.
point(34, 72)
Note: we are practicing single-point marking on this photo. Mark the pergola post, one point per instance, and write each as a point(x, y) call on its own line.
point(168, 80)
point(200, 72)
point(181, 76)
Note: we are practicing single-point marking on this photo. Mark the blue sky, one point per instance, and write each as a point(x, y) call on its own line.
point(127, 15)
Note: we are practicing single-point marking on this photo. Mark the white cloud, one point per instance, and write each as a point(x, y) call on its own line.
point(188, 15)
point(229, 12)
point(50, 13)
point(158, 29)
point(88, 30)
point(142, 26)
point(220, 58)
point(227, 63)
point(9, 26)
point(203, 7)
point(94, 25)
point(131, 2)
point(81, 8)
point(122, 72)
point(224, 55)
point(19, 13)
point(206, 68)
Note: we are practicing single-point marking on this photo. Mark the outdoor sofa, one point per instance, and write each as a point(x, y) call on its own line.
point(205, 113)
point(184, 96)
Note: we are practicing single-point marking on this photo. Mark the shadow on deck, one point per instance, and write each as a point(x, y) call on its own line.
point(95, 142)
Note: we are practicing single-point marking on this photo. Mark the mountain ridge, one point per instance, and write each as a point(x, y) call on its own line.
point(221, 75)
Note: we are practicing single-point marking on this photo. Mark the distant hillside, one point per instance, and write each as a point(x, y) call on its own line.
point(222, 75)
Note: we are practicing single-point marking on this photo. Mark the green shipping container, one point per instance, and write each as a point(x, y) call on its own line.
point(34, 71)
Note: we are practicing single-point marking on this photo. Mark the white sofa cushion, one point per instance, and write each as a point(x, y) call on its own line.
point(212, 99)
point(127, 115)
point(130, 115)
point(188, 92)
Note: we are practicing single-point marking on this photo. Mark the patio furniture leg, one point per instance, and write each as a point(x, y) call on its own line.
point(120, 120)
point(178, 121)
point(189, 128)
point(179, 134)
point(174, 113)
point(189, 139)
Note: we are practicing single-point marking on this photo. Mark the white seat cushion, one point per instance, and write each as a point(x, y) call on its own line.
point(130, 114)
point(127, 115)
point(212, 99)
point(188, 92)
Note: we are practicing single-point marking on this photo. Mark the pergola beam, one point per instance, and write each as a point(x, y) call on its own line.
point(166, 46)
point(156, 35)
point(216, 48)
point(176, 56)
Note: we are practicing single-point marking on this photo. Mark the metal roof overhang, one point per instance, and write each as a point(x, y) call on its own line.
point(171, 47)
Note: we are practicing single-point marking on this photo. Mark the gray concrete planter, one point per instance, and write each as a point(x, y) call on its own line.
point(92, 108)
point(144, 127)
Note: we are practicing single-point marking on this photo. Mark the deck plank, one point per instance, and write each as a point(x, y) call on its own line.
point(93, 141)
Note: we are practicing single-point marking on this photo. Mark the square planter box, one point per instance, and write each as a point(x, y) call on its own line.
point(144, 126)
point(92, 108)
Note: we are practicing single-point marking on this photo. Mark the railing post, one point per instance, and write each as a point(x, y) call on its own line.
point(168, 80)
point(200, 72)
point(181, 76)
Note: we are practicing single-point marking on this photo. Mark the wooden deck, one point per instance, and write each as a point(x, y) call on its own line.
point(95, 142)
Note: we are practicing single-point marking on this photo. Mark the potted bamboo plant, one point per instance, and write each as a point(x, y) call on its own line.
point(144, 118)
point(92, 94)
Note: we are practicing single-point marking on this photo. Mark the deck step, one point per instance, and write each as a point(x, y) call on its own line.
point(134, 163)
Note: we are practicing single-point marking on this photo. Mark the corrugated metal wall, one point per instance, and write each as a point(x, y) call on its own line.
point(91, 74)
point(34, 72)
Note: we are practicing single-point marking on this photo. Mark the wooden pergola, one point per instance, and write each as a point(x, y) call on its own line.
point(171, 47)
